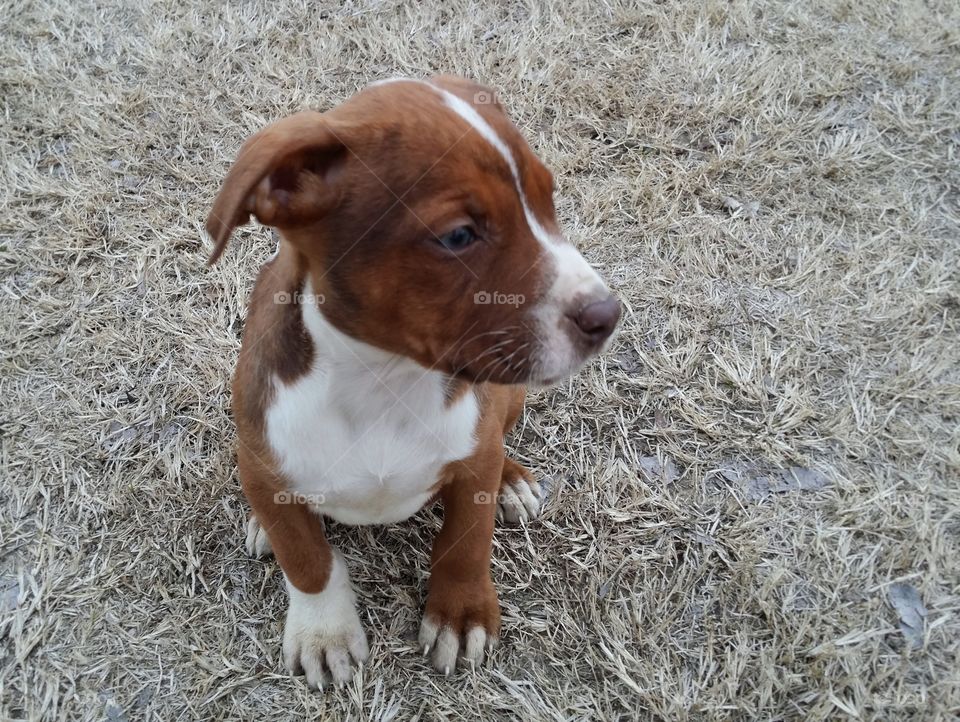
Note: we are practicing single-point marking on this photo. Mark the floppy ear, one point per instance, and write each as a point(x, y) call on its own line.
point(284, 175)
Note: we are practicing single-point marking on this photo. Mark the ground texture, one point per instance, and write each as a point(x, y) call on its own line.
point(772, 188)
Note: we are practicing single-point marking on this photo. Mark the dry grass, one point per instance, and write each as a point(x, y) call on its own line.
point(773, 191)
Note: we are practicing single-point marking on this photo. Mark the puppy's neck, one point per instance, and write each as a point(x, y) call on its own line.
point(337, 352)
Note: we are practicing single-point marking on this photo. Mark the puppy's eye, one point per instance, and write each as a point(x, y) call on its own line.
point(458, 238)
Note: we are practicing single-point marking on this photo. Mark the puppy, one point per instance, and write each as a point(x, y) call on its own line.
point(421, 279)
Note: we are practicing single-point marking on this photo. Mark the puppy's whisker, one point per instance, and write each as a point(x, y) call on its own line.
point(488, 350)
point(492, 349)
point(499, 332)
point(492, 365)
point(511, 356)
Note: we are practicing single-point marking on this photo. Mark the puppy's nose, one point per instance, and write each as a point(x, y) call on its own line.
point(597, 319)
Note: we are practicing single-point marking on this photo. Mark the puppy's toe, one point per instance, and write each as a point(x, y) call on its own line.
point(477, 643)
point(444, 645)
point(338, 661)
point(445, 651)
point(520, 497)
point(519, 500)
point(258, 544)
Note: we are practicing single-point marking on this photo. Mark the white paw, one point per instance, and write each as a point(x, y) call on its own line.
point(519, 501)
point(446, 645)
point(258, 545)
point(323, 637)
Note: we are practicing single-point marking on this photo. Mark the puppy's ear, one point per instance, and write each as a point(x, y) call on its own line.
point(285, 175)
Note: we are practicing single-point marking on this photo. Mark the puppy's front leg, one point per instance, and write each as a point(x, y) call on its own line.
point(322, 630)
point(462, 614)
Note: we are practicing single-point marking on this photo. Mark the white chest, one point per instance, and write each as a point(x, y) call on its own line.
point(364, 436)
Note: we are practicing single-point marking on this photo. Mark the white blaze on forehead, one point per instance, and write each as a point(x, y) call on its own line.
point(465, 111)
point(476, 121)
point(573, 272)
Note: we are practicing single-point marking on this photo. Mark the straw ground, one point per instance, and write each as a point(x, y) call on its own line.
point(772, 188)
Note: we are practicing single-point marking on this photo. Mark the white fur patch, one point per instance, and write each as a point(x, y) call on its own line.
point(363, 436)
point(323, 630)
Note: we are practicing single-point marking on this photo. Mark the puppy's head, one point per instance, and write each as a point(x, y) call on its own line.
point(427, 225)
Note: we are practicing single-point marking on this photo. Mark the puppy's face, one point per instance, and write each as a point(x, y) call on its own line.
point(428, 228)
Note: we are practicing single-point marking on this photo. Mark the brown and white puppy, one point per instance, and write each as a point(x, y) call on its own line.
point(420, 279)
